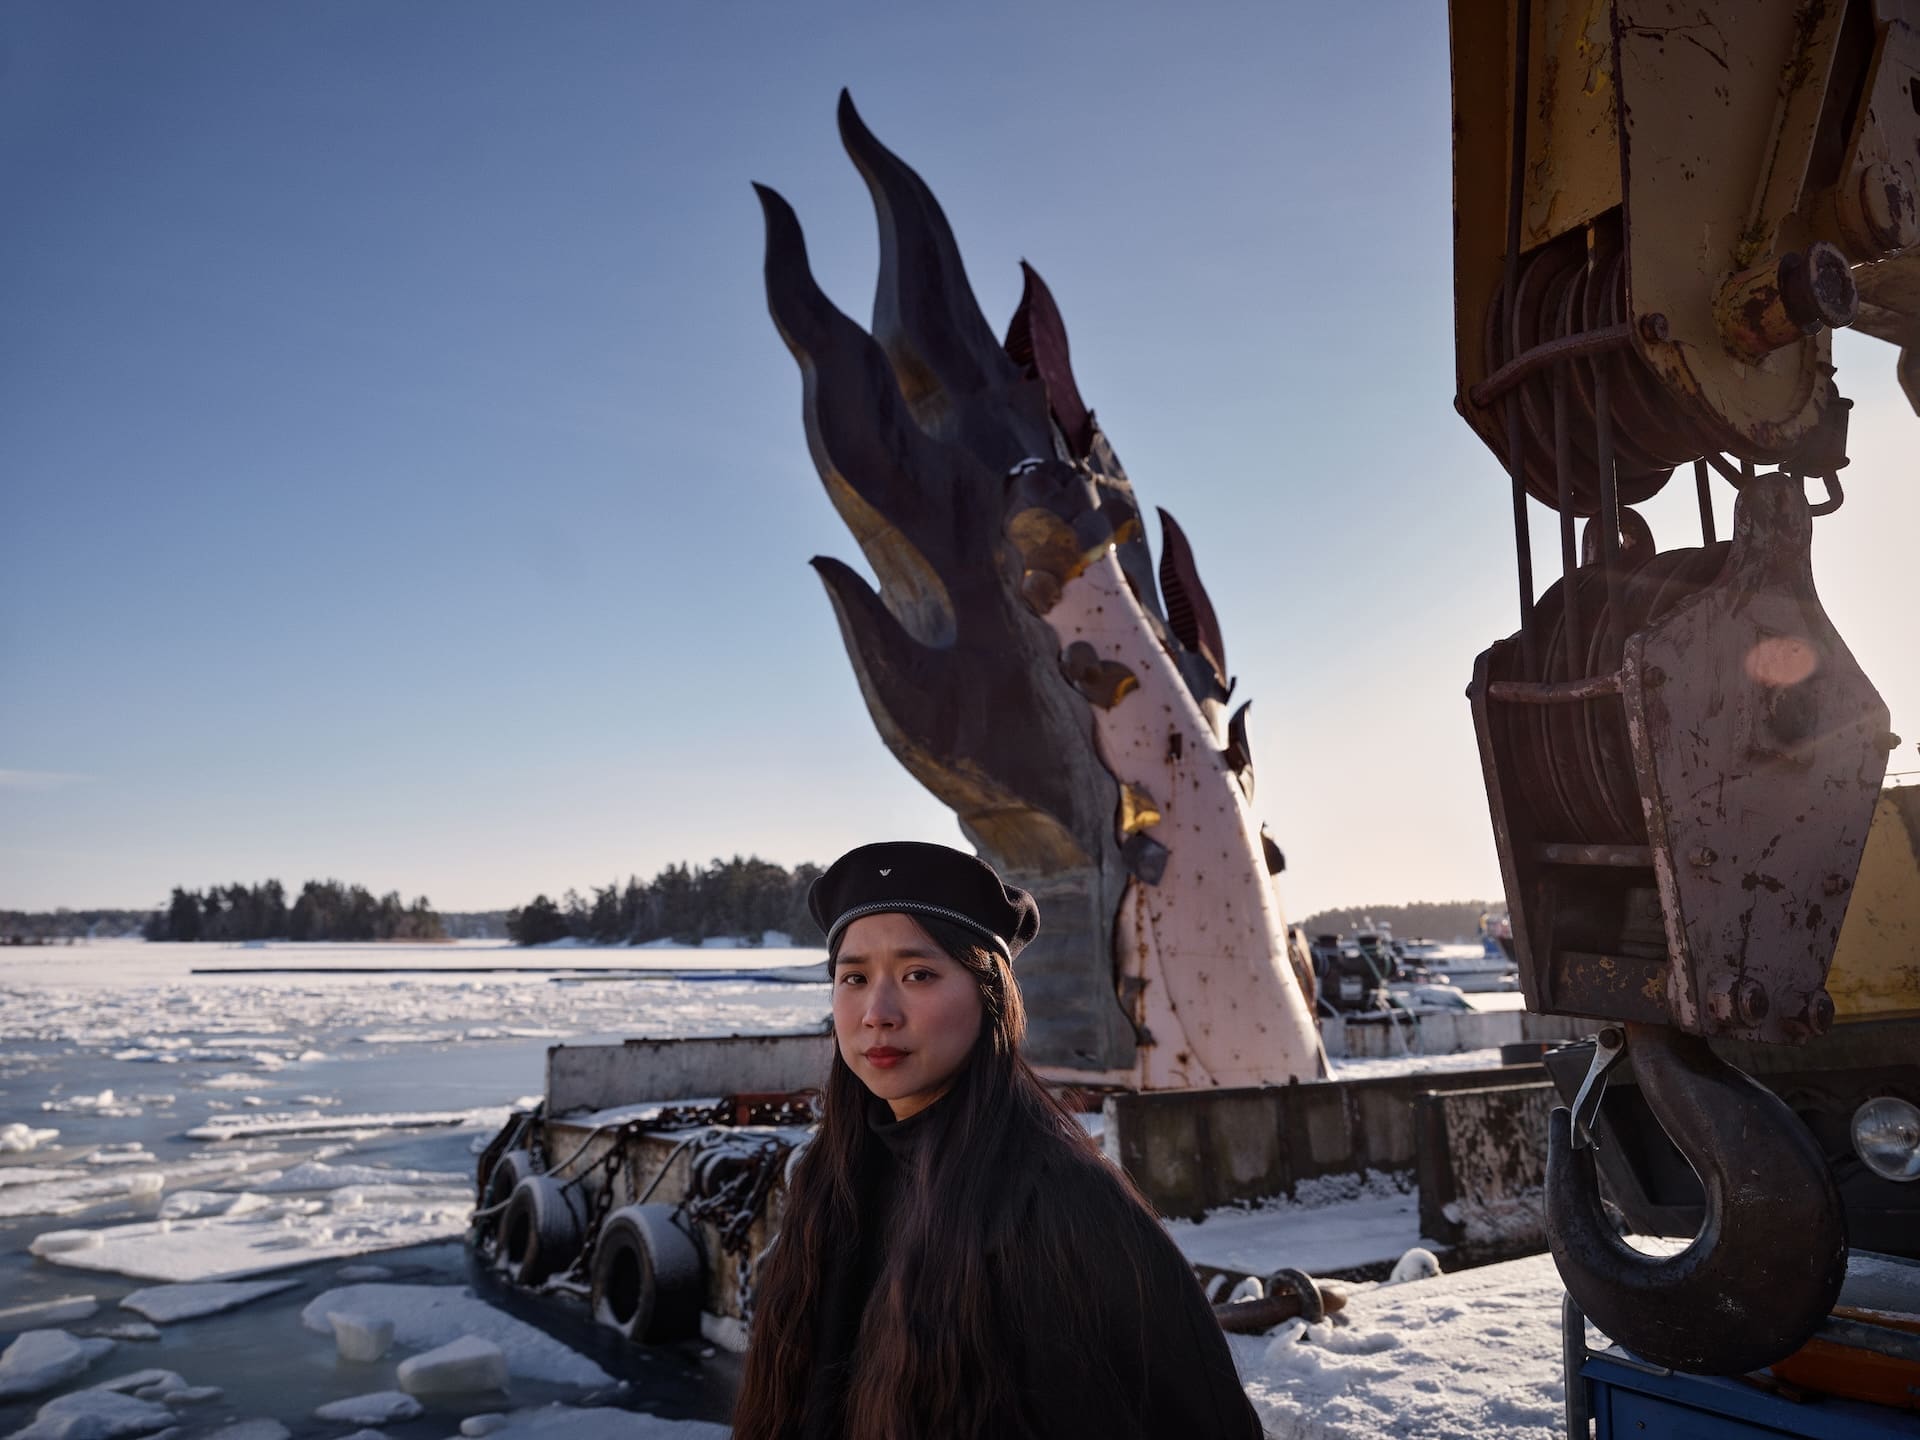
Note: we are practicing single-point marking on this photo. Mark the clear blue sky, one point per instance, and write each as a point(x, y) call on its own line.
point(400, 478)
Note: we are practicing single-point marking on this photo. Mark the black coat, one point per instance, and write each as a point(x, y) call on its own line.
point(1156, 1364)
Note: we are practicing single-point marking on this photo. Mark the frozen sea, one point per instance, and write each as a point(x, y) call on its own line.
point(220, 1126)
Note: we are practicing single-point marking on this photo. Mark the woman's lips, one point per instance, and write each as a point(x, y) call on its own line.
point(884, 1057)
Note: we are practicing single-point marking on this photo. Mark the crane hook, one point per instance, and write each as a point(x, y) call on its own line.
point(1766, 1267)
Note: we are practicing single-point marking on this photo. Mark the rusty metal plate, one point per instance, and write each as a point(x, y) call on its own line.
point(1760, 747)
point(1698, 99)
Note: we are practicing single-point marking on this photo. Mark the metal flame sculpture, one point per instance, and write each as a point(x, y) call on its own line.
point(1018, 660)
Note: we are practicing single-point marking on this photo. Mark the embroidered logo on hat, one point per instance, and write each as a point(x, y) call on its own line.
point(922, 879)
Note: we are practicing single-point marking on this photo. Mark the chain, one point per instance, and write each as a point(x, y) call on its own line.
point(731, 1202)
point(732, 1205)
point(799, 1107)
point(601, 1201)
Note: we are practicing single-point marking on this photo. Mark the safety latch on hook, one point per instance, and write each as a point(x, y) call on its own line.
point(1609, 1049)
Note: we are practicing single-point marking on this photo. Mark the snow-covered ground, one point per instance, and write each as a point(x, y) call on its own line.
point(243, 1176)
point(1475, 1354)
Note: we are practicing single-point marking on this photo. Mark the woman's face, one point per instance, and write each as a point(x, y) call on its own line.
point(905, 1012)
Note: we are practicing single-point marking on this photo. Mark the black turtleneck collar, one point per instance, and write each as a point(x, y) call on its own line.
point(903, 1138)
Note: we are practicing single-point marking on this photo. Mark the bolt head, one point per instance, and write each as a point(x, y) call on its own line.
point(1654, 328)
point(1738, 1001)
point(1817, 289)
point(1820, 1012)
point(1887, 205)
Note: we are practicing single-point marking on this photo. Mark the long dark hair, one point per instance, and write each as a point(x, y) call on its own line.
point(936, 1356)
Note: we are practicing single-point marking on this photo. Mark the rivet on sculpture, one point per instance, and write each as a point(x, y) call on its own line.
point(1018, 659)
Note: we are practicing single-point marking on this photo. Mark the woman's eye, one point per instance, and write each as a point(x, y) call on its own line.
point(922, 975)
point(853, 979)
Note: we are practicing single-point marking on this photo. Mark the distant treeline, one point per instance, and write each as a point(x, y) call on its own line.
point(685, 904)
point(43, 927)
point(1424, 919)
point(324, 910)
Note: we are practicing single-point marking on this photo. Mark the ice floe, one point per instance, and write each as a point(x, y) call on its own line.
point(185, 1204)
point(147, 1384)
point(261, 1429)
point(11, 1175)
point(59, 1191)
point(231, 1247)
point(61, 1310)
point(105, 1103)
point(238, 1127)
point(408, 1037)
point(132, 1153)
point(459, 1367)
point(572, 1422)
point(128, 1330)
point(18, 1139)
point(95, 1415)
point(361, 1337)
point(382, 1407)
point(427, 1316)
point(166, 1304)
point(42, 1359)
point(318, 1175)
point(59, 1242)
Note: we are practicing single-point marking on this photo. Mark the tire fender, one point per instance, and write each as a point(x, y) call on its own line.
point(649, 1277)
point(542, 1228)
point(505, 1176)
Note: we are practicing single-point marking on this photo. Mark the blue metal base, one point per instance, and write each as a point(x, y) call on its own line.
point(1633, 1399)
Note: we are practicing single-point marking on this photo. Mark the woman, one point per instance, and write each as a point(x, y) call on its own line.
point(956, 1258)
